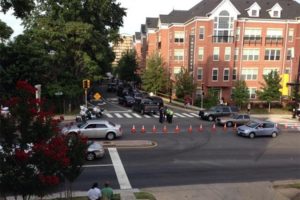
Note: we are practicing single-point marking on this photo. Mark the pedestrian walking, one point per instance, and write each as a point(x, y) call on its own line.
point(169, 114)
point(248, 108)
point(161, 114)
point(94, 192)
point(107, 192)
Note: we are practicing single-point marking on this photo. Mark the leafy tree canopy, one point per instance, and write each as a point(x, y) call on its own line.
point(127, 66)
point(240, 93)
point(5, 31)
point(184, 84)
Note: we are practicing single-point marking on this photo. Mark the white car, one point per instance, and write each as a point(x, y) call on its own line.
point(95, 150)
point(95, 129)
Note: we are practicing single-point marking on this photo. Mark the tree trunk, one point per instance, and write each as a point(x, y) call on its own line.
point(269, 107)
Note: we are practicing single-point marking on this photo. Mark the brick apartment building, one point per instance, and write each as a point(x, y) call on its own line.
point(221, 41)
point(126, 44)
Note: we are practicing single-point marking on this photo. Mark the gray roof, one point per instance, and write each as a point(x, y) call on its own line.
point(151, 22)
point(143, 29)
point(175, 16)
point(290, 8)
point(137, 36)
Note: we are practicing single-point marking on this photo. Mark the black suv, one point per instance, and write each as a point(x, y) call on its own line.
point(217, 111)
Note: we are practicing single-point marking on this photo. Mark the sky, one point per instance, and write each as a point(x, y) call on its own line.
point(137, 11)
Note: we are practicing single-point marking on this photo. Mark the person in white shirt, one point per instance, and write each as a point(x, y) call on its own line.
point(94, 192)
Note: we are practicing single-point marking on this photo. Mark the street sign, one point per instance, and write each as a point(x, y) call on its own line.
point(58, 93)
point(97, 96)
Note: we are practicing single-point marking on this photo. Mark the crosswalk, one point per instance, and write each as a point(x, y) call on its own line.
point(132, 115)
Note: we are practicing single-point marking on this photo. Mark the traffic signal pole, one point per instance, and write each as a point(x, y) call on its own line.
point(85, 96)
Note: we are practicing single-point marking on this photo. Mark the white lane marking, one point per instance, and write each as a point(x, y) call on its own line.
point(194, 114)
point(119, 169)
point(155, 116)
point(137, 115)
point(118, 115)
point(89, 166)
point(186, 114)
point(179, 115)
point(147, 116)
point(109, 115)
point(127, 115)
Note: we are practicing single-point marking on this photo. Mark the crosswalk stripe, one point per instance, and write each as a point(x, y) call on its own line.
point(137, 115)
point(194, 114)
point(156, 116)
point(187, 115)
point(179, 115)
point(146, 116)
point(118, 115)
point(127, 115)
point(108, 115)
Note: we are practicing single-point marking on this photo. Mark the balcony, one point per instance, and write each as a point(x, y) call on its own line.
point(255, 40)
point(222, 39)
point(274, 40)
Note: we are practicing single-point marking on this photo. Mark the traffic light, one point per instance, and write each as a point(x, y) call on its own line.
point(86, 84)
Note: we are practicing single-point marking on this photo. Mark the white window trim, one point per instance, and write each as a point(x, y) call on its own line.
point(200, 68)
point(202, 27)
point(275, 55)
point(291, 30)
point(176, 51)
point(251, 74)
point(212, 74)
point(236, 74)
point(202, 49)
point(218, 50)
point(253, 51)
point(226, 69)
point(226, 49)
point(252, 93)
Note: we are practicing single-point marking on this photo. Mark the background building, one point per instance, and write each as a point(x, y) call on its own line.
point(124, 45)
point(221, 41)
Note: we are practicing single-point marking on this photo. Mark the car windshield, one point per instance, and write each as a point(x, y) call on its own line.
point(80, 125)
point(252, 124)
point(212, 108)
point(112, 124)
point(234, 116)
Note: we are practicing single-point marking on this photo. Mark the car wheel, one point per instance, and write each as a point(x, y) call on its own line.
point(251, 135)
point(211, 118)
point(110, 136)
point(229, 124)
point(90, 156)
point(274, 134)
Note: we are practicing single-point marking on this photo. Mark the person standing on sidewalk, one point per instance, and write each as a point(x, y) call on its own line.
point(248, 108)
point(107, 192)
point(94, 192)
point(161, 114)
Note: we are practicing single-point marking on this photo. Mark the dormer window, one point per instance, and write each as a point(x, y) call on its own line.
point(275, 11)
point(253, 10)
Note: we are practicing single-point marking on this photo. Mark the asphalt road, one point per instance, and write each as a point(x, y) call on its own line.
point(210, 156)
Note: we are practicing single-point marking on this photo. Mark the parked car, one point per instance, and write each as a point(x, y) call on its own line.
point(157, 100)
point(258, 128)
point(145, 106)
point(112, 87)
point(126, 100)
point(95, 129)
point(217, 111)
point(94, 150)
point(238, 119)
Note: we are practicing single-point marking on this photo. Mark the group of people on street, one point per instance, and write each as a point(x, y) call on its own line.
point(165, 113)
point(95, 193)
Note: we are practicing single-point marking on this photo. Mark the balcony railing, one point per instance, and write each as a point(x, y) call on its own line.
point(252, 40)
point(274, 40)
point(222, 39)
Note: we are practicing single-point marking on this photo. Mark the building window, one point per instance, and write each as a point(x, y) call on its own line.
point(178, 54)
point(223, 28)
point(274, 34)
point(251, 54)
point(215, 74)
point(252, 93)
point(269, 70)
point(291, 35)
point(226, 74)
point(252, 34)
point(201, 32)
point(216, 53)
point(272, 54)
point(249, 74)
point(236, 54)
point(290, 53)
point(200, 73)
point(234, 74)
point(179, 37)
point(227, 53)
point(237, 34)
point(275, 13)
point(254, 13)
point(200, 53)
point(176, 70)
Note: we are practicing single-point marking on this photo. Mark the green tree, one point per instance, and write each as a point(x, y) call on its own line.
point(5, 31)
point(21, 9)
point(240, 93)
point(270, 89)
point(211, 98)
point(184, 84)
point(154, 77)
point(127, 66)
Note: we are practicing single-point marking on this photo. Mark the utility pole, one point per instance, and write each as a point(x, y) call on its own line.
point(86, 86)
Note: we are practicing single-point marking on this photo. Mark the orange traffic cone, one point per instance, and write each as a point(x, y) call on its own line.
point(225, 127)
point(165, 130)
point(200, 129)
point(285, 126)
point(213, 127)
point(190, 129)
point(234, 126)
point(133, 130)
point(177, 129)
point(143, 130)
point(154, 130)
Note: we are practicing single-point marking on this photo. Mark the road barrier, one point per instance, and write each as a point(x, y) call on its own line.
point(200, 129)
point(213, 128)
point(165, 130)
point(177, 130)
point(225, 127)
